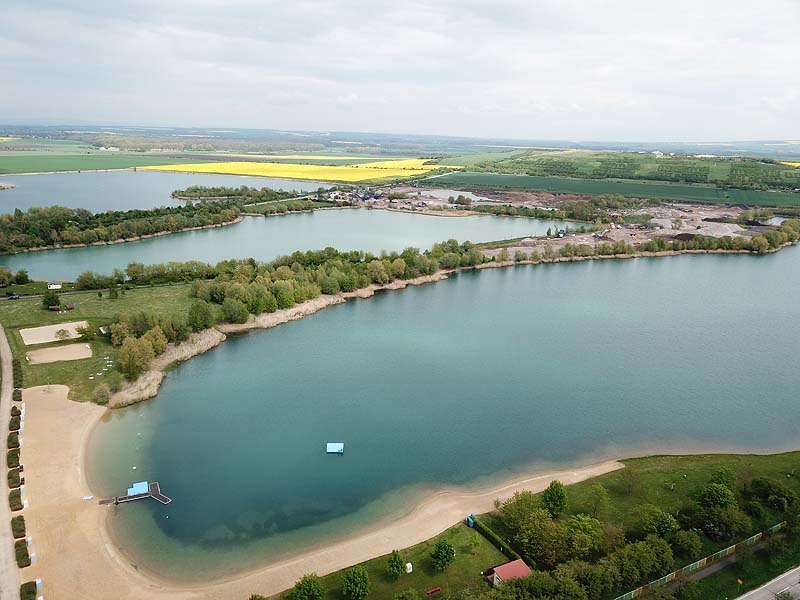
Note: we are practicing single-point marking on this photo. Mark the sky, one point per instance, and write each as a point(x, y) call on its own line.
point(628, 70)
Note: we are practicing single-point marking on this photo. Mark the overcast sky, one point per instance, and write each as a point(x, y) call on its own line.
point(683, 70)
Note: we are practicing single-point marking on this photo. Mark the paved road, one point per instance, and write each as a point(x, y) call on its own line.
point(789, 581)
point(9, 572)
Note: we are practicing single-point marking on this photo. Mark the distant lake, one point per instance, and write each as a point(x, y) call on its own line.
point(266, 238)
point(478, 376)
point(101, 191)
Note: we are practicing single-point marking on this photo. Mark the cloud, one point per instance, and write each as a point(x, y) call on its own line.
point(577, 69)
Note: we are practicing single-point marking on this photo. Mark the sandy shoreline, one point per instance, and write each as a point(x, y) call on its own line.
point(63, 526)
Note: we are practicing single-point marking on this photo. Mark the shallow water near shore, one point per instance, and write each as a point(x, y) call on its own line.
point(470, 379)
point(267, 238)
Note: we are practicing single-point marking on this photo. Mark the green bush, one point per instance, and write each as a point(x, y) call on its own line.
point(494, 539)
point(27, 591)
point(12, 459)
point(443, 555)
point(21, 552)
point(15, 412)
point(17, 395)
point(18, 526)
point(13, 440)
point(13, 478)
point(14, 424)
point(15, 500)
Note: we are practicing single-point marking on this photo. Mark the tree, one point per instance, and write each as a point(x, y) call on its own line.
point(631, 481)
point(234, 311)
point(120, 331)
point(21, 277)
point(50, 298)
point(5, 277)
point(583, 535)
point(201, 315)
point(157, 340)
point(687, 545)
point(514, 510)
point(134, 357)
point(309, 587)
point(443, 555)
point(598, 500)
point(396, 564)
point(542, 539)
point(504, 255)
point(355, 583)
point(651, 520)
point(726, 476)
point(716, 495)
point(554, 498)
point(86, 333)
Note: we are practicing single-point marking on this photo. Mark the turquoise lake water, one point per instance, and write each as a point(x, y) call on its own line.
point(122, 190)
point(476, 377)
point(266, 238)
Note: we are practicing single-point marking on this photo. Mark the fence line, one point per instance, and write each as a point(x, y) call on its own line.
point(703, 562)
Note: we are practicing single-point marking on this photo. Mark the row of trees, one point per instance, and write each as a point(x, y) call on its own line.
point(57, 225)
point(596, 209)
point(248, 194)
point(356, 581)
point(7, 277)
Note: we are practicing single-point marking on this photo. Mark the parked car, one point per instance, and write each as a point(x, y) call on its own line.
point(13, 296)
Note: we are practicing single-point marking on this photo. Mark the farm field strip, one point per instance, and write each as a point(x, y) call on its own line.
point(633, 189)
point(349, 173)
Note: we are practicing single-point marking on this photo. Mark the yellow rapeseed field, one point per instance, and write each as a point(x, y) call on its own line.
point(347, 173)
point(7, 139)
point(792, 164)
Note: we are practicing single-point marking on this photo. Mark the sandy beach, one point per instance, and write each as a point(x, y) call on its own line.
point(75, 557)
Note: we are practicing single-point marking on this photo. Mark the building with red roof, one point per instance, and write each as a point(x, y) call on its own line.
point(516, 569)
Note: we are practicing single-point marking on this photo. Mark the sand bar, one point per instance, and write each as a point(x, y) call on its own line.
point(77, 558)
point(47, 333)
point(59, 353)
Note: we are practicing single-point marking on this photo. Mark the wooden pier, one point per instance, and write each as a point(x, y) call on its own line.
point(153, 491)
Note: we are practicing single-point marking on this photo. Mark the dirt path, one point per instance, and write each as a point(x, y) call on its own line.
point(9, 572)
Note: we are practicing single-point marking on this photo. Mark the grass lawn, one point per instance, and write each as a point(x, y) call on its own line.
point(463, 574)
point(27, 312)
point(32, 287)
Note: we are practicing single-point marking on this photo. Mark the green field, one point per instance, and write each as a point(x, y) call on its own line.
point(632, 189)
point(736, 172)
point(38, 156)
point(28, 312)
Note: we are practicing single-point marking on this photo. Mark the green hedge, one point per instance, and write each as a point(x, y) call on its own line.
point(14, 424)
point(494, 539)
point(17, 396)
point(13, 440)
point(15, 412)
point(27, 591)
point(12, 459)
point(13, 478)
point(21, 552)
point(18, 526)
point(17, 372)
point(15, 500)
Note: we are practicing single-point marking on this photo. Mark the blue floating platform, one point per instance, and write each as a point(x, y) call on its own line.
point(334, 448)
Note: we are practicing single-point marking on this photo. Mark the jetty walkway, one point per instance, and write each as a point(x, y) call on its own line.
point(140, 491)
